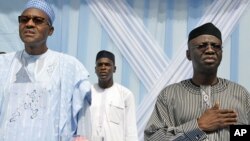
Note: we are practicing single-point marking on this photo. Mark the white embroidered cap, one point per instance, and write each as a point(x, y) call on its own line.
point(42, 5)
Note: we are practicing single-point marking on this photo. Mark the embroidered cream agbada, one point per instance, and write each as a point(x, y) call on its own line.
point(40, 96)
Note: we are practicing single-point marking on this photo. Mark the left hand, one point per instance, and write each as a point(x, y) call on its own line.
point(80, 138)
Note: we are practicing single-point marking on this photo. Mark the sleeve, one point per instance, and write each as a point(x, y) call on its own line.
point(5, 65)
point(161, 126)
point(80, 113)
point(81, 104)
point(248, 106)
point(130, 119)
point(83, 118)
point(75, 96)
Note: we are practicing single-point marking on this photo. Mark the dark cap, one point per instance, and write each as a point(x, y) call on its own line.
point(105, 54)
point(207, 28)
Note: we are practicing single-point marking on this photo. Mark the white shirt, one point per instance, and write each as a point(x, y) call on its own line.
point(113, 114)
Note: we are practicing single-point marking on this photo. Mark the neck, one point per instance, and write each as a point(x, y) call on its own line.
point(105, 84)
point(205, 79)
point(36, 50)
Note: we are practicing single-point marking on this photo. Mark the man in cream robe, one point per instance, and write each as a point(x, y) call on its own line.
point(41, 91)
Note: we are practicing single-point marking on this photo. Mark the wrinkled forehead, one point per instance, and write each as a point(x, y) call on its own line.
point(205, 39)
point(104, 60)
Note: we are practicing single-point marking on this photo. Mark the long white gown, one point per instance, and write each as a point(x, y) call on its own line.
point(113, 114)
point(40, 96)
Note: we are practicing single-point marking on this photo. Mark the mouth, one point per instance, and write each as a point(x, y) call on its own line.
point(103, 74)
point(209, 60)
point(29, 33)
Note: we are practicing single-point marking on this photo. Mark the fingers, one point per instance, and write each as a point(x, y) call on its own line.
point(80, 138)
point(216, 105)
point(226, 117)
point(228, 111)
point(216, 118)
point(227, 121)
point(224, 112)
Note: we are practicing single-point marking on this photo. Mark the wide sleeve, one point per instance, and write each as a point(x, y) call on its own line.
point(130, 119)
point(75, 95)
point(83, 118)
point(5, 66)
point(161, 125)
point(81, 102)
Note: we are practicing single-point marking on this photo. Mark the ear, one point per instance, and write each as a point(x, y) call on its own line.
point(188, 54)
point(51, 30)
point(114, 69)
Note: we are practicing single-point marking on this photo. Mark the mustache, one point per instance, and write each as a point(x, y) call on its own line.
point(29, 30)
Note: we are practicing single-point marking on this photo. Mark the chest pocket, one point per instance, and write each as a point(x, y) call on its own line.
point(116, 113)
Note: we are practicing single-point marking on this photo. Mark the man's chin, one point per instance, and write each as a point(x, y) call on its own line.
point(103, 79)
point(210, 70)
point(30, 43)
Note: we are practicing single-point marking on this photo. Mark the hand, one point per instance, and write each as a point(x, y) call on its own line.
point(80, 138)
point(214, 118)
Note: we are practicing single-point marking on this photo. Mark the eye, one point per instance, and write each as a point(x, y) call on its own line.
point(202, 46)
point(218, 47)
point(108, 64)
point(38, 20)
point(23, 19)
point(98, 65)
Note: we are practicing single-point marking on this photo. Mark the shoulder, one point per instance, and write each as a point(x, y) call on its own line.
point(124, 94)
point(233, 85)
point(122, 88)
point(5, 63)
point(171, 91)
point(174, 87)
point(123, 91)
point(67, 58)
point(69, 62)
point(8, 57)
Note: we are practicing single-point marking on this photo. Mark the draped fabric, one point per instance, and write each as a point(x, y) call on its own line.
point(148, 38)
point(131, 37)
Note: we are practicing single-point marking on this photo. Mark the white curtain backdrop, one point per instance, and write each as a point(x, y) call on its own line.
point(132, 39)
point(148, 38)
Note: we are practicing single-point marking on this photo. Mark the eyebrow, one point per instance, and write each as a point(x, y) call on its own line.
point(209, 42)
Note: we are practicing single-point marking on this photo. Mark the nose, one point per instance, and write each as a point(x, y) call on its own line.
point(103, 66)
point(30, 23)
point(209, 49)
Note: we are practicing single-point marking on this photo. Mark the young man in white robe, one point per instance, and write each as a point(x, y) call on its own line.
point(113, 106)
